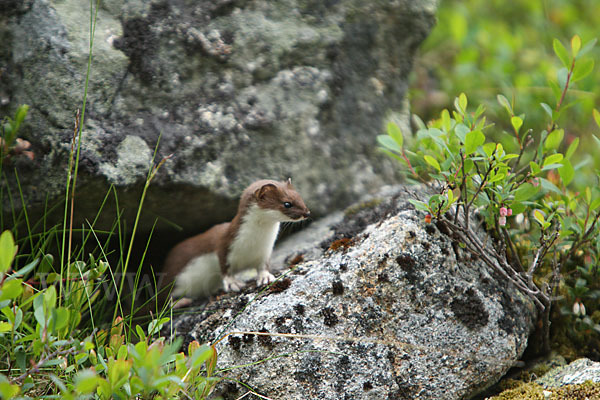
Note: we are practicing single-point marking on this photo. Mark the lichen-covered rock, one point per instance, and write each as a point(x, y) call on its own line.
point(236, 90)
point(577, 372)
point(391, 310)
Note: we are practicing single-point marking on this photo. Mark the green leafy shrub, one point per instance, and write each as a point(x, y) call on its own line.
point(522, 188)
point(488, 47)
point(46, 351)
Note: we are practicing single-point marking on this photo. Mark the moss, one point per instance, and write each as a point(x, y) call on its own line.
point(533, 391)
point(521, 390)
point(586, 390)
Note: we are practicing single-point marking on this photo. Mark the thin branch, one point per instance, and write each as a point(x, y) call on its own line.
point(469, 238)
point(40, 364)
point(479, 189)
point(513, 250)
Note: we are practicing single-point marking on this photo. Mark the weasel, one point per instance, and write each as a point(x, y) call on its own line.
point(201, 265)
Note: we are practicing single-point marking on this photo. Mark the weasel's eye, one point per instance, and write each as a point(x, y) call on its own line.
point(287, 204)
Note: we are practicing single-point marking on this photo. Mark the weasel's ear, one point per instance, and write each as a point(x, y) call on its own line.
point(264, 190)
point(289, 182)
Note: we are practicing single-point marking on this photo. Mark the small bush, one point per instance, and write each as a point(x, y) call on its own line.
point(522, 188)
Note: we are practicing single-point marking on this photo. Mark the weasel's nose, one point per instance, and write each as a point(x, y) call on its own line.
point(306, 214)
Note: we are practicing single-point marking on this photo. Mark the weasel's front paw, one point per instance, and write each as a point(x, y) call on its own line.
point(231, 284)
point(264, 278)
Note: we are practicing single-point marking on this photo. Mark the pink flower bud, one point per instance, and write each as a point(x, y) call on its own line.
point(503, 212)
point(502, 221)
point(509, 212)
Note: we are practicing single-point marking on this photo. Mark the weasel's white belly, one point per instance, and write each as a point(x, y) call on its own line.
point(253, 244)
point(201, 277)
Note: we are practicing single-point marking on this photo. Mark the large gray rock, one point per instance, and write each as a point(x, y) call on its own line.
point(239, 90)
point(394, 312)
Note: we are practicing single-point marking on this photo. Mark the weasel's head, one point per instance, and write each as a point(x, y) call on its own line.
point(282, 198)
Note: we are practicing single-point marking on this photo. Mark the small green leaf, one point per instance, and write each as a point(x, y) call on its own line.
point(516, 122)
point(572, 147)
point(8, 250)
point(450, 196)
point(497, 177)
point(86, 381)
point(200, 356)
point(21, 114)
point(395, 133)
point(462, 101)
point(548, 110)
point(50, 298)
point(596, 114)
point(122, 352)
point(554, 139)
point(446, 121)
point(566, 172)
point(596, 140)
point(595, 204)
point(140, 332)
point(588, 195)
point(432, 161)
point(389, 143)
point(5, 326)
point(489, 148)
point(25, 270)
point(118, 372)
point(419, 205)
point(549, 186)
point(38, 309)
point(503, 101)
point(582, 69)
point(11, 289)
point(473, 140)
point(538, 215)
point(561, 76)
point(552, 159)
point(525, 192)
point(18, 318)
point(535, 168)
point(562, 53)
point(587, 47)
point(8, 390)
point(393, 155)
point(60, 318)
point(461, 131)
point(575, 45)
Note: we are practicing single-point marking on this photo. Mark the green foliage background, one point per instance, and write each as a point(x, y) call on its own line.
point(487, 47)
